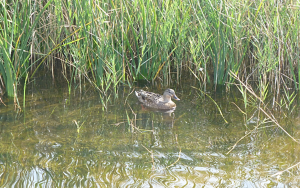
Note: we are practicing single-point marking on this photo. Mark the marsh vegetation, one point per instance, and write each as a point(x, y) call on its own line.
point(206, 50)
point(111, 42)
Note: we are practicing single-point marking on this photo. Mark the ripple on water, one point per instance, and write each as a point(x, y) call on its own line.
point(74, 143)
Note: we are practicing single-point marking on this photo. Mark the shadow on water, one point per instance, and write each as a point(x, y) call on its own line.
point(63, 140)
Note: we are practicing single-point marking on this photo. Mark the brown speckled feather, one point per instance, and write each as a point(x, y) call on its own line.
point(158, 101)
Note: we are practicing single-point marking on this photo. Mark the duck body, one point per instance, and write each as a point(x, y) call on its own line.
point(154, 100)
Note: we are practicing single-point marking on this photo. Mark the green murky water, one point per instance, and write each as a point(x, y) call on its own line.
point(66, 140)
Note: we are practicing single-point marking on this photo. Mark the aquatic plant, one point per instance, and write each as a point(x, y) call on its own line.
point(113, 42)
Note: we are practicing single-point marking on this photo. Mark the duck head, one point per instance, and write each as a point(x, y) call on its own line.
point(168, 94)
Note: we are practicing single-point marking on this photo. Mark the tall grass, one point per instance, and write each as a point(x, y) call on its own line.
point(108, 42)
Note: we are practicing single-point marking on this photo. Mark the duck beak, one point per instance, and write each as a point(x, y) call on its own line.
point(176, 98)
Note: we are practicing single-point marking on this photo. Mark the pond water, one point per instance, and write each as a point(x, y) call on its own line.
point(64, 139)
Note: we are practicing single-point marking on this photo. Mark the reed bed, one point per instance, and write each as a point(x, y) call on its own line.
point(113, 42)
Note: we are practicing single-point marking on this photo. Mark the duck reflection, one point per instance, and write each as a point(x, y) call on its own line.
point(168, 116)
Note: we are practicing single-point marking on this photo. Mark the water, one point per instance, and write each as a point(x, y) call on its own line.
point(67, 140)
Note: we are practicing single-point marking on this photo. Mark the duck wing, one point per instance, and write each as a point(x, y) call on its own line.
point(148, 97)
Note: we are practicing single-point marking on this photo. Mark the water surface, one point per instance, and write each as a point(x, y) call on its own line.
point(64, 139)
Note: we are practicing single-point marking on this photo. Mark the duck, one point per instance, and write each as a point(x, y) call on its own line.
point(154, 100)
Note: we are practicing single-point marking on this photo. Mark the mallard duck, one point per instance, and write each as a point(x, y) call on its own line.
point(154, 100)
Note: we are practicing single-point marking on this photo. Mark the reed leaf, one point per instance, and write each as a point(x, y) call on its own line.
point(107, 42)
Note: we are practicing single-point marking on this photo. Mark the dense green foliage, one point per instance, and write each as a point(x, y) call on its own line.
point(111, 41)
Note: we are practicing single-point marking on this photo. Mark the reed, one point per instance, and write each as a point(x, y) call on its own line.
point(113, 42)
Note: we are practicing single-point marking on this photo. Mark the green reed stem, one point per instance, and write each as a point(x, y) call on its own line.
point(113, 42)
